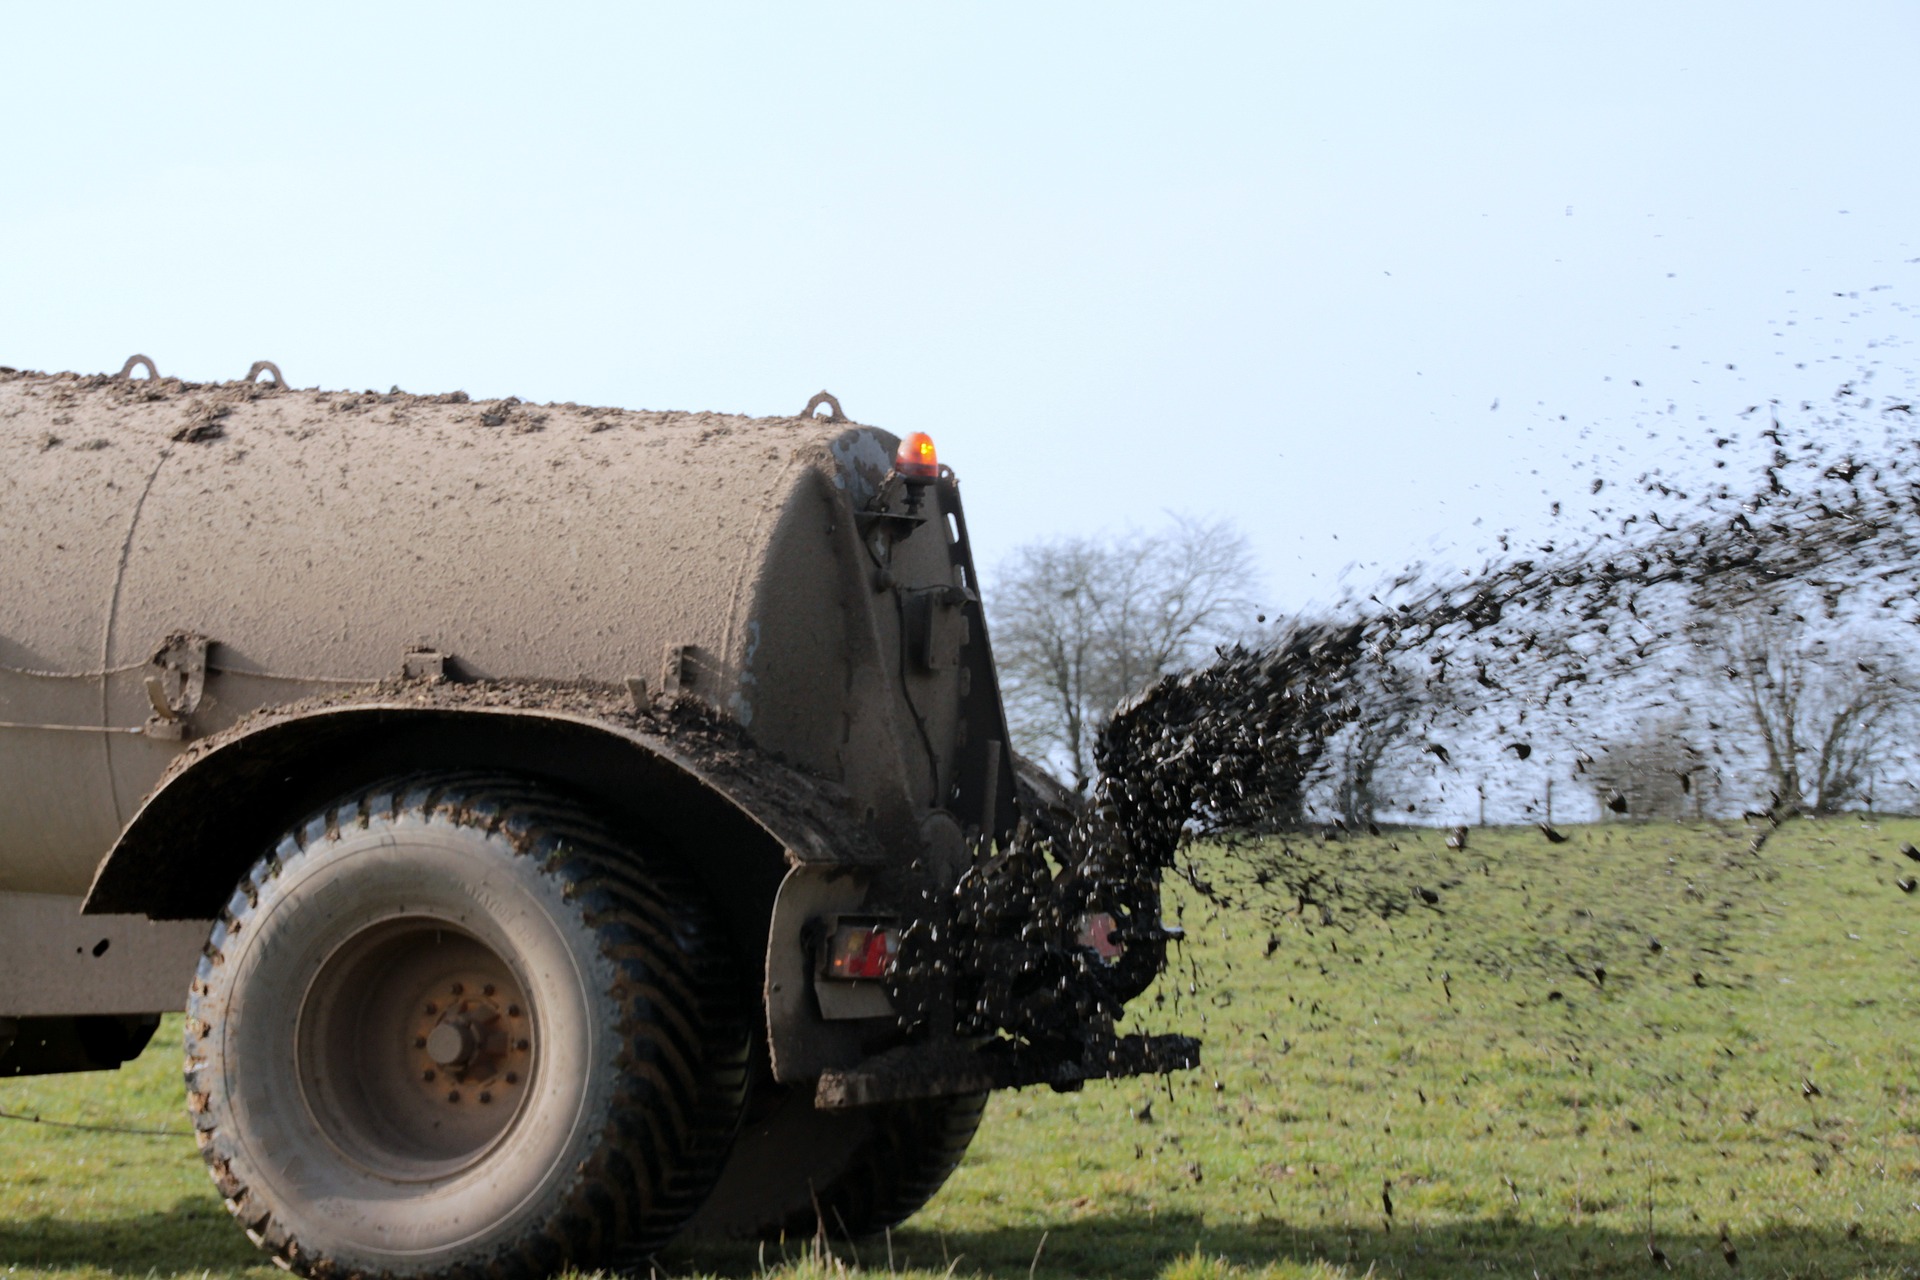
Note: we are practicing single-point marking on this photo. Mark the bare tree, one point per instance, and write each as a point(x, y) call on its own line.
point(1049, 643)
point(1082, 624)
point(1824, 713)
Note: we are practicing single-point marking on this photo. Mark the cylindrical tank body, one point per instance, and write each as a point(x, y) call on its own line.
point(319, 538)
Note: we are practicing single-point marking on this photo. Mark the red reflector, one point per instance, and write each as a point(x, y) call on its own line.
point(1096, 932)
point(861, 952)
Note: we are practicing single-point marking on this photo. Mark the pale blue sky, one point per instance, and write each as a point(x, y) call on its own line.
point(1275, 262)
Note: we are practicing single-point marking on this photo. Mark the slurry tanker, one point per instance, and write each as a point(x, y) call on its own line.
point(563, 827)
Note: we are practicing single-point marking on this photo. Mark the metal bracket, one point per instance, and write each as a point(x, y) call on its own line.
point(898, 527)
point(679, 667)
point(423, 664)
point(175, 690)
point(937, 628)
point(934, 1071)
point(637, 690)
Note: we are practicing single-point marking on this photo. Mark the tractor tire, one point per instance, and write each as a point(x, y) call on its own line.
point(799, 1171)
point(450, 1028)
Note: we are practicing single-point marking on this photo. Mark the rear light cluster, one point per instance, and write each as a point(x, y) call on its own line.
point(861, 952)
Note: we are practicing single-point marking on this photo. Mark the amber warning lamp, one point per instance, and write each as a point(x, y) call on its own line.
point(915, 459)
point(916, 462)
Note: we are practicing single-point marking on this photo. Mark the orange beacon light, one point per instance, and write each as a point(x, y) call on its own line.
point(916, 459)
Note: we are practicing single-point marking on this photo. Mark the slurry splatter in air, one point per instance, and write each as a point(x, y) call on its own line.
point(1545, 647)
point(1538, 660)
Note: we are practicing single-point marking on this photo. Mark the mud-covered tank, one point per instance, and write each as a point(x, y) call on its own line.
point(560, 823)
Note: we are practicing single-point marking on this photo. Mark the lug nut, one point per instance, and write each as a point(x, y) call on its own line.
point(487, 990)
point(453, 1095)
point(428, 1074)
point(513, 1077)
point(523, 1045)
point(457, 988)
point(419, 1042)
point(485, 1096)
point(432, 1007)
point(513, 1011)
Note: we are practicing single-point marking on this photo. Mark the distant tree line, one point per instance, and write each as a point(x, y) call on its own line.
point(1817, 714)
point(1771, 709)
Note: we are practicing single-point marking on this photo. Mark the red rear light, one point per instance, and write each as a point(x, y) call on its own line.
point(861, 952)
point(915, 459)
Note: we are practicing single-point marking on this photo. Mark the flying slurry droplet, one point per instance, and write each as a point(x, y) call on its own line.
point(1551, 635)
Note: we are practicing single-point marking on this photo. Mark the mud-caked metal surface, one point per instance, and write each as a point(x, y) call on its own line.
point(58, 961)
point(317, 539)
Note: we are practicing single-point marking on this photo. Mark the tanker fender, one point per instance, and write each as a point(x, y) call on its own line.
point(674, 780)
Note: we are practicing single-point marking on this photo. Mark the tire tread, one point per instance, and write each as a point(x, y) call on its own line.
point(682, 1015)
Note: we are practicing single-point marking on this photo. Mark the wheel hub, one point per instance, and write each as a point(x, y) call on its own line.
point(419, 1048)
point(470, 1031)
point(451, 1045)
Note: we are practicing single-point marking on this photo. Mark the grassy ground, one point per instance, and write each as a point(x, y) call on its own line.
point(1589, 1059)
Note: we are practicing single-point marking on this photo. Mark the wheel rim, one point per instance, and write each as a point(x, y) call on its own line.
point(416, 1049)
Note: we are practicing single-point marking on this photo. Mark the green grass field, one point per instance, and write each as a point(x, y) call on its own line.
point(1588, 1060)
